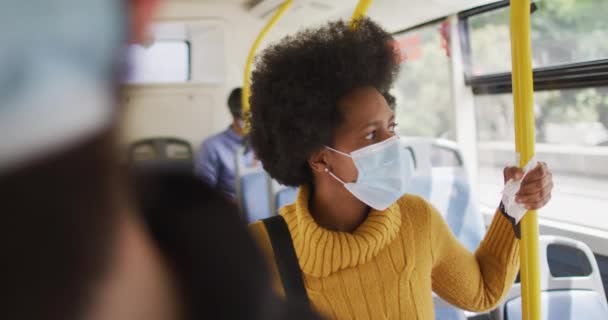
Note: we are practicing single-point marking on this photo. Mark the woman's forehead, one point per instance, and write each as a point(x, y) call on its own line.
point(364, 105)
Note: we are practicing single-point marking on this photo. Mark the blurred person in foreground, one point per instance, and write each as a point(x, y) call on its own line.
point(78, 240)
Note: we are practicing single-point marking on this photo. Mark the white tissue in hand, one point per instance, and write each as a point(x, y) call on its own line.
point(513, 209)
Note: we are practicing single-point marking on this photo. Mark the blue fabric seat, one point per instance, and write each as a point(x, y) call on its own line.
point(563, 305)
point(162, 153)
point(571, 284)
point(454, 200)
point(253, 196)
point(445, 311)
point(285, 196)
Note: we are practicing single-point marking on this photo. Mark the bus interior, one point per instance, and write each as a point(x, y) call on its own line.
point(454, 105)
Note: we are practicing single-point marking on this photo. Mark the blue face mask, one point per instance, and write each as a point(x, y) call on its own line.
point(385, 170)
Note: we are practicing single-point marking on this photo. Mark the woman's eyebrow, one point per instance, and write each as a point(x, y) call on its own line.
point(374, 123)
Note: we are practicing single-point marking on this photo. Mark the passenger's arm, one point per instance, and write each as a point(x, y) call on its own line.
point(207, 164)
point(475, 282)
point(479, 281)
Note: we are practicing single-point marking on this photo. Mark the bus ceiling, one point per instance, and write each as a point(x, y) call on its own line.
point(390, 12)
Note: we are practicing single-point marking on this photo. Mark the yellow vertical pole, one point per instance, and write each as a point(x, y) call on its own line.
point(523, 98)
point(248, 64)
point(360, 11)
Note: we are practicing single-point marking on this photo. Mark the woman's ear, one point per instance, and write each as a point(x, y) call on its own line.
point(318, 161)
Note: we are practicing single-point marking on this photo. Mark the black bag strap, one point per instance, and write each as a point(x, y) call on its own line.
point(287, 261)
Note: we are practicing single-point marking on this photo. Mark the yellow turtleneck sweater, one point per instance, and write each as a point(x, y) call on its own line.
point(389, 266)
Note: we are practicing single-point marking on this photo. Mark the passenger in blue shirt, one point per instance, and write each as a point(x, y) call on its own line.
point(216, 160)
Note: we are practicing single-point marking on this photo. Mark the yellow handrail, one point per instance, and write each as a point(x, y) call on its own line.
point(523, 98)
point(247, 77)
point(360, 11)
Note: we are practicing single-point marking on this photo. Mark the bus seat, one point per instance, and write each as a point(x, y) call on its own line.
point(285, 196)
point(252, 194)
point(571, 284)
point(563, 305)
point(162, 153)
point(442, 179)
point(252, 189)
point(445, 311)
point(462, 214)
point(450, 194)
point(420, 185)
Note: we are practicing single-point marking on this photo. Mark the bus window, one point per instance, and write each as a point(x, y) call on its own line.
point(571, 106)
point(422, 89)
point(572, 135)
point(563, 31)
point(165, 61)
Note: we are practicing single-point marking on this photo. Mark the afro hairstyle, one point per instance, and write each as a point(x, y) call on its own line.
point(297, 84)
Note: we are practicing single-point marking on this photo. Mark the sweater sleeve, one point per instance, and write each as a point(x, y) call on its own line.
point(479, 281)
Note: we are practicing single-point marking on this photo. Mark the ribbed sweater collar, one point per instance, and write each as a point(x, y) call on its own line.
point(322, 252)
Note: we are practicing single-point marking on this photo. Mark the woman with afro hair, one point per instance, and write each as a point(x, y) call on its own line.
point(322, 119)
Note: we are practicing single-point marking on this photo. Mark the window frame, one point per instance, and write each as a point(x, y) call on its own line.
point(570, 76)
point(587, 74)
point(189, 46)
point(419, 26)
